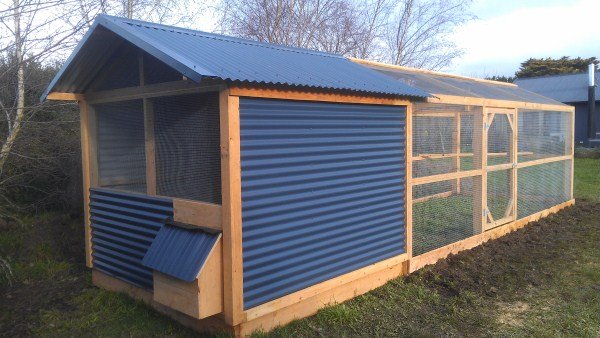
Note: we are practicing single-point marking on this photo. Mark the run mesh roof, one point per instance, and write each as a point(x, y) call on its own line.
point(440, 84)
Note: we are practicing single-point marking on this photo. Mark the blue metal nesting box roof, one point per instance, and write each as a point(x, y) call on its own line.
point(198, 54)
point(179, 252)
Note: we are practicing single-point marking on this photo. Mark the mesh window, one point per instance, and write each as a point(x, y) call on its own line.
point(543, 186)
point(442, 138)
point(439, 221)
point(121, 146)
point(499, 193)
point(543, 134)
point(187, 136)
point(499, 140)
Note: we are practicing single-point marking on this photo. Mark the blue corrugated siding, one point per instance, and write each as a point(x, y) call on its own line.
point(180, 253)
point(322, 192)
point(123, 227)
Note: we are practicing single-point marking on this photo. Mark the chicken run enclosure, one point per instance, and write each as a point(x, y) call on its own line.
point(237, 185)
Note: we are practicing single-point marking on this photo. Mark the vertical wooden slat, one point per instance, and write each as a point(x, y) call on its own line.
point(233, 303)
point(456, 136)
point(89, 166)
point(515, 160)
point(409, 190)
point(150, 147)
point(479, 162)
point(570, 150)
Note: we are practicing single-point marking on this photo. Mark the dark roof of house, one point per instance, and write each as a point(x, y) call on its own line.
point(563, 88)
point(448, 84)
point(198, 54)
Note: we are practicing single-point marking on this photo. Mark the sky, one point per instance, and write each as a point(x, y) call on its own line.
point(508, 32)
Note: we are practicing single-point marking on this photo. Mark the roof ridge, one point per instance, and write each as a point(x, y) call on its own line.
point(596, 73)
point(217, 36)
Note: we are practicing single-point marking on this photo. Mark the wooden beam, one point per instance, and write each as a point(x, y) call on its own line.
point(58, 96)
point(408, 195)
point(430, 197)
point(543, 161)
point(197, 213)
point(478, 101)
point(451, 155)
point(89, 167)
point(150, 147)
point(445, 177)
point(152, 90)
point(232, 208)
point(313, 95)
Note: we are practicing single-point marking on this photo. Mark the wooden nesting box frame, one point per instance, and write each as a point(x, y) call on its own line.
point(228, 308)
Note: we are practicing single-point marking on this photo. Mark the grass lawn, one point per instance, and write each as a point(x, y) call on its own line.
point(543, 280)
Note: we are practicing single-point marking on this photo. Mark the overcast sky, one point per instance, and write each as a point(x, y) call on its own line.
point(510, 31)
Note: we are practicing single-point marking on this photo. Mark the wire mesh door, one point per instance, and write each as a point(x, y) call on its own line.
point(501, 166)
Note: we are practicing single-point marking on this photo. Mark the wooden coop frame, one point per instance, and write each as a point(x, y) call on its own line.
point(222, 306)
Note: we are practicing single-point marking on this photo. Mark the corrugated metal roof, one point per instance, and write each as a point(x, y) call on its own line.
point(563, 88)
point(180, 252)
point(197, 54)
point(460, 86)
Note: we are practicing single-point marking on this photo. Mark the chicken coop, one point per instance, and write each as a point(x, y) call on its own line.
point(237, 185)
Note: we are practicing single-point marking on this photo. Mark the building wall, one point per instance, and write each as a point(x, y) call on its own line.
point(581, 120)
point(322, 192)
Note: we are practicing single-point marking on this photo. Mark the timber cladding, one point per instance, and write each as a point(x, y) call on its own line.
point(322, 192)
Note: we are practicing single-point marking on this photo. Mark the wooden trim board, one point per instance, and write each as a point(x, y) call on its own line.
point(408, 155)
point(201, 214)
point(313, 95)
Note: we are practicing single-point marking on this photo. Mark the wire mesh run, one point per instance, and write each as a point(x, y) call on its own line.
point(442, 138)
point(439, 220)
point(543, 134)
point(187, 136)
point(499, 139)
point(499, 194)
point(543, 186)
point(121, 147)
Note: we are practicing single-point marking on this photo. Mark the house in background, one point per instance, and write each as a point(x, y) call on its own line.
point(574, 90)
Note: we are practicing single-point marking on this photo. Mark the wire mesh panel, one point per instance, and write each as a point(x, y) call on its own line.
point(499, 194)
point(121, 146)
point(439, 221)
point(543, 186)
point(442, 138)
point(188, 160)
point(499, 139)
point(543, 134)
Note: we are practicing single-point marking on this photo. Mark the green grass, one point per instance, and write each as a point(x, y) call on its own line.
point(587, 179)
point(541, 281)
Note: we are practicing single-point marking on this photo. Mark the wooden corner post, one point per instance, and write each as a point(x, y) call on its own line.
point(409, 190)
point(89, 167)
point(233, 303)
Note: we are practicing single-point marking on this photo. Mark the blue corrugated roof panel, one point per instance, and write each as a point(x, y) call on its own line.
point(198, 54)
point(180, 252)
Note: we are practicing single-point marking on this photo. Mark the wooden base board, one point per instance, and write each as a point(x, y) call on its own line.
point(307, 302)
point(210, 324)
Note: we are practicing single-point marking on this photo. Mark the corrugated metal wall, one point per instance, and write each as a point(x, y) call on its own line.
point(322, 192)
point(123, 227)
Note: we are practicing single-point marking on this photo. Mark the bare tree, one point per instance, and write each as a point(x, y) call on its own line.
point(418, 32)
point(406, 32)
